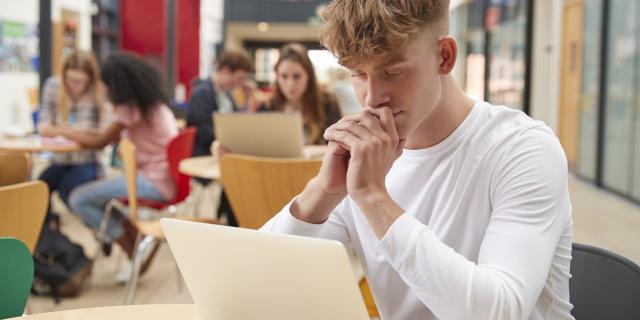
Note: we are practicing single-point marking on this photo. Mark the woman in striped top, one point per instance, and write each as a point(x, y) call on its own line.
point(73, 100)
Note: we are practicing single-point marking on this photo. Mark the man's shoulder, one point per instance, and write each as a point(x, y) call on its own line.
point(202, 87)
point(502, 133)
point(502, 124)
point(202, 96)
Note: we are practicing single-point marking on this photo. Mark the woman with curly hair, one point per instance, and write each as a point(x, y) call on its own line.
point(140, 114)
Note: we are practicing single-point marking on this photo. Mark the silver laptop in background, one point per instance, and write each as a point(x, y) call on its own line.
point(236, 274)
point(262, 134)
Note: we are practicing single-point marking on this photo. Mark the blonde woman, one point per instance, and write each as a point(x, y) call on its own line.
point(74, 100)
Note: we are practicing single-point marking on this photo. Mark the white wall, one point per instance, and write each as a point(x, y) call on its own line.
point(545, 77)
point(211, 15)
point(15, 109)
point(83, 8)
point(14, 102)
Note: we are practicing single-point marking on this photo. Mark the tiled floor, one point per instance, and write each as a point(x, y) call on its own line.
point(600, 218)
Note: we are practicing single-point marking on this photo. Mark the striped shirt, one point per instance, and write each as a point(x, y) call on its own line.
point(83, 114)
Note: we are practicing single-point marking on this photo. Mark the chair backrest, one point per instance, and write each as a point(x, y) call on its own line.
point(257, 188)
point(604, 285)
point(24, 206)
point(16, 276)
point(14, 168)
point(127, 151)
point(180, 147)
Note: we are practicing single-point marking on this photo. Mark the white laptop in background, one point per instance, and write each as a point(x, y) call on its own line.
point(236, 274)
point(263, 134)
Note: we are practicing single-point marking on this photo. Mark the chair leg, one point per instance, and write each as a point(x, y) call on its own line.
point(141, 247)
point(101, 235)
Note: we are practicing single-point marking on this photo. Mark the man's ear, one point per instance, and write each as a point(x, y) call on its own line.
point(448, 49)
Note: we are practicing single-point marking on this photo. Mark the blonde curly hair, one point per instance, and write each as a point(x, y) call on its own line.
point(361, 30)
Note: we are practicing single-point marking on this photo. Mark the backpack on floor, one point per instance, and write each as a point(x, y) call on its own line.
point(61, 267)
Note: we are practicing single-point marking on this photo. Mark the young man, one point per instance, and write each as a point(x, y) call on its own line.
point(458, 209)
point(230, 71)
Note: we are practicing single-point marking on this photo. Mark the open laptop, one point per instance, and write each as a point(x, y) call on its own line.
point(263, 134)
point(234, 273)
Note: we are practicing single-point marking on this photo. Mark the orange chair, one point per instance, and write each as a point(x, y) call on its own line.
point(259, 187)
point(14, 168)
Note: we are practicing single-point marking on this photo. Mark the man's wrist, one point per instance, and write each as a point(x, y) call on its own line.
point(380, 210)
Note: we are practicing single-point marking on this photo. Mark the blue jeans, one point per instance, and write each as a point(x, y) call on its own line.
point(64, 179)
point(89, 201)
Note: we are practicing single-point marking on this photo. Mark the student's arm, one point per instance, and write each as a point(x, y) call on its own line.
point(332, 228)
point(93, 138)
point(310, 213)
point(530, 213)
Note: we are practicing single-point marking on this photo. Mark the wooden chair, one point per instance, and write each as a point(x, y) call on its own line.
point(16, 277)
point(258, 188)
point(24, 206)
point(149, 231)
point(14, 168)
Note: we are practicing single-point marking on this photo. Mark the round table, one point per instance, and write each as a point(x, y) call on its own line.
point(207, 167)
point(38, 144)
point(146, 311)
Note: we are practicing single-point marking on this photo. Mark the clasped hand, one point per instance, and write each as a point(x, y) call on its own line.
point(362, 149)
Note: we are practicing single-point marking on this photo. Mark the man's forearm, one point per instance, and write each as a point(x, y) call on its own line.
point(313, 205)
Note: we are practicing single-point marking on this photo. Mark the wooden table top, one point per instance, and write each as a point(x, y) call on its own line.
point(206, 167)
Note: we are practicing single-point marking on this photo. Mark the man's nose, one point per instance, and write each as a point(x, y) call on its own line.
point(377, 94)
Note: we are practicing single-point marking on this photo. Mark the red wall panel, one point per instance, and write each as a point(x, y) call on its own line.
point(143, 27)
point(143, 30)
point(188, 41)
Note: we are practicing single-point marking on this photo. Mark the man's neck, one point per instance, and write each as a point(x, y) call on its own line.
point(444, 119)
point(217, 84)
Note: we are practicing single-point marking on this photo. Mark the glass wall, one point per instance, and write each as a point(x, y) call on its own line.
point(621, 96)
point(635, 190)
point(588, 134)
point(467, 26)
point(506, 21)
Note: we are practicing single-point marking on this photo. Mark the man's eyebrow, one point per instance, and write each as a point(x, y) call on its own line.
point(393, 61)
point(397, 64)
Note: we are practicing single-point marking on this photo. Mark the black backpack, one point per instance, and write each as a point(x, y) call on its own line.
point(61, 267)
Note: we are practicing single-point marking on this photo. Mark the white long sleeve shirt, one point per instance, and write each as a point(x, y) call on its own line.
point(486, 232)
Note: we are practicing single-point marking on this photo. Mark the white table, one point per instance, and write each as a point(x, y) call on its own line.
point(138, 312)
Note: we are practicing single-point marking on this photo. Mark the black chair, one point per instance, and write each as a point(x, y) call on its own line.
point(604, 285)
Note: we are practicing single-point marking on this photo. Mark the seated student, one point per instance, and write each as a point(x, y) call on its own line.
point(459, 209)
point(231, 70)
point(141, 114)
point(212, 95)
point(74, 100)
point(296, 90)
